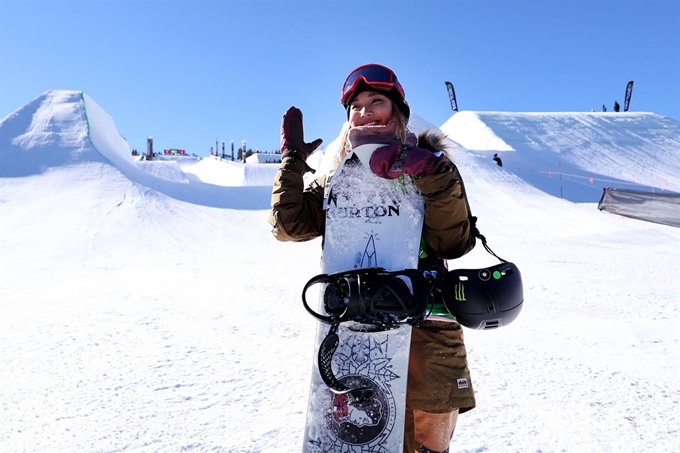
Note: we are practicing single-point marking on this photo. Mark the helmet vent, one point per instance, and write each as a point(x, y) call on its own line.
point(489, 303)
point(491, 325)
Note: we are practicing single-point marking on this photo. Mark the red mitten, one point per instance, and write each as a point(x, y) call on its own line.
point(394, 160)
point(292, 135)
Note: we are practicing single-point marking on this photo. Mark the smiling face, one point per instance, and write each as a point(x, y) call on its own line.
point(370, 108)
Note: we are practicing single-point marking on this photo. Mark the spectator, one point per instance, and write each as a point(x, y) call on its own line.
point(497, 160)
point(616, 106)
point(604, 109)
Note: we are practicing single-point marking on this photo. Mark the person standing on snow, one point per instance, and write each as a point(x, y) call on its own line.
point(617, 107)
point(498, 160)
point(377, 112)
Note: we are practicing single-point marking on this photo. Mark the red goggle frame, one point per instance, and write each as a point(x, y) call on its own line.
point(375, 76)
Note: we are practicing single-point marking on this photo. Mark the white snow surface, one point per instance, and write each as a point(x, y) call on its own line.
point(147, 308)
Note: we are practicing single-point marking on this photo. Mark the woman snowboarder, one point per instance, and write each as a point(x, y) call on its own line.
point(439, 384)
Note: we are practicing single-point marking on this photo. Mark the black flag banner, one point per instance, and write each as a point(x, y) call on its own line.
point(452, 96)
point(629, 92)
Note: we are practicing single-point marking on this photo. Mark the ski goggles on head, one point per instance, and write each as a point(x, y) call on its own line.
point(375, 76)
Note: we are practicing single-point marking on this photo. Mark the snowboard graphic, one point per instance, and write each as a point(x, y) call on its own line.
point(370, 222)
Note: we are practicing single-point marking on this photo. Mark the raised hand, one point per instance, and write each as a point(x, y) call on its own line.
point(292, 135)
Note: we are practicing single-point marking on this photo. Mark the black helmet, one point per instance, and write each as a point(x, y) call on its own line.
point(484, 298)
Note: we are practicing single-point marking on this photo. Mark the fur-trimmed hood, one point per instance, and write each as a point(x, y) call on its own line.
point(433, 140)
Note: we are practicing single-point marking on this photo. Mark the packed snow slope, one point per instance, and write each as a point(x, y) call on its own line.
point(147, 310)
point(575, 155)
point(75, 129)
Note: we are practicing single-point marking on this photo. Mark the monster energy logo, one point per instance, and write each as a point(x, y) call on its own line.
point(460, 292)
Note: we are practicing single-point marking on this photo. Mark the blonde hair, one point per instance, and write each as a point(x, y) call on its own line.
point(346, 147)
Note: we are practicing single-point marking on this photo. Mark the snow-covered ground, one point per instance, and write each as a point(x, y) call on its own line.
point(147, 308)
point(576, 155)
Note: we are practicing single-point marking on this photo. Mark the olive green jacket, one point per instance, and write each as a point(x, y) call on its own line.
point(297, 212)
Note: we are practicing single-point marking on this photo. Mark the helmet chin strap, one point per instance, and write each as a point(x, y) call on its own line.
point(480, 236)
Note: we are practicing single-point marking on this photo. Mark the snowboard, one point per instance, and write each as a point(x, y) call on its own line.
point(370, 222)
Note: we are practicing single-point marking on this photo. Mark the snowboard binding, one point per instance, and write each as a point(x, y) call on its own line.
point(372, 296)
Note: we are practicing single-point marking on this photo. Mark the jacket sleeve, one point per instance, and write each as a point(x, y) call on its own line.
point(297, 213)
point(447, 226)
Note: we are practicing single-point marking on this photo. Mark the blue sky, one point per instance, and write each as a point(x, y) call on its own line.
point(190, 72)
